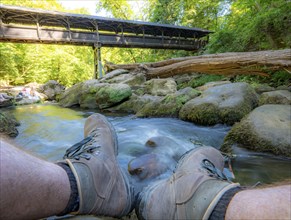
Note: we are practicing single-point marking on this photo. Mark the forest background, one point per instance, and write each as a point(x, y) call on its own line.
point(238, 25)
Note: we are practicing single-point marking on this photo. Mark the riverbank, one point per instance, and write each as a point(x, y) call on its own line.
point(237, 104)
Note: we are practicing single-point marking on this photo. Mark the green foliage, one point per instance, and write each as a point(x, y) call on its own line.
point(254, 25)
point(241, 25)
point(276, 79)
point(204, 78)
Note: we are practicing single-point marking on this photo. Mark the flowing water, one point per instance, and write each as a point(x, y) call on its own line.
point(48, 130)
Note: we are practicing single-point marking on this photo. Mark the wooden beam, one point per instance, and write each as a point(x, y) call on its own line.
point(31, 34)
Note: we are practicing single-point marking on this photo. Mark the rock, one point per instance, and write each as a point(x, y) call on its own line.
point(112, 94)
point(165, 146)
point(149, 166)
point(160, 87)
point(5, 100)
point(263, 88)
point(8, 125)
point(227, 104)
point(211, 84)
point(71, 96)
point(170, 105)
point(135, 103)
point(284, 87)
point(89, 89)
point(183, 79)
point(132, 80)
point(276, 97)
point(265, 129)
point(52, 89)
point(112, 74)
point(28, 100)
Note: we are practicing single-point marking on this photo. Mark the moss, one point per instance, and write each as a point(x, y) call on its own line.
point(204, 114)
point(243, 134)
point(204, 78)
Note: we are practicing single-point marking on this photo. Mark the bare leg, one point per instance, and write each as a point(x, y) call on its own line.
point(265, 203)
point(30, 188)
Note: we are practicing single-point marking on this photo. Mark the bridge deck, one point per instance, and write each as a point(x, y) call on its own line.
point(25, 25)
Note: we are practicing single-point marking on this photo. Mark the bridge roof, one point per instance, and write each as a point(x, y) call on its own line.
point(29, 16)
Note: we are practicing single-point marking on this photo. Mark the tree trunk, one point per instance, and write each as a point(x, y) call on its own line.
point(255, 63)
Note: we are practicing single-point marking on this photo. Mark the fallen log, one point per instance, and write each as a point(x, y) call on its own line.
point(254, 63)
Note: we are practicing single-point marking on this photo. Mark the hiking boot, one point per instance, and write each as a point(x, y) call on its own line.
point(103, 187)
point(191, 192)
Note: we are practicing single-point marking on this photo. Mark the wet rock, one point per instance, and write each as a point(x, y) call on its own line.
point(265, 129)
point(276, 97)
point(112, 94)
point(168, 106)
point(52, 89)
point(71, 96)
point(165, 146)
point(149, 166)
point(226, 104)
point(8, 124)
point(160, 87)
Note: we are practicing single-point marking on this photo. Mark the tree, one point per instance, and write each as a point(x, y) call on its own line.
point(254, 25)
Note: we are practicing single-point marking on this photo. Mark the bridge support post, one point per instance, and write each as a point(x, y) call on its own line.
point(97, 61)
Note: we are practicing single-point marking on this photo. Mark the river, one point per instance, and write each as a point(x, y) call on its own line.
point(48, 130)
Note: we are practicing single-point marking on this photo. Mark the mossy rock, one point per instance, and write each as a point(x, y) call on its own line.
point(135, 103)
point(112, 94)
point(89, 89)
point(170, 105)
point(160, 87)
point(8, 124)
point(226, 104)
point(276, 97)
point(265, 129)
point(71, 96)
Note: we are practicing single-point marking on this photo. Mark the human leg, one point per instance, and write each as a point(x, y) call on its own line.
point(199, 190)
point(37, 189)
point(273, 202)
point(30, 188)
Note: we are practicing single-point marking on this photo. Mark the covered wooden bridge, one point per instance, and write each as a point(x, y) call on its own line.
point(26, 25)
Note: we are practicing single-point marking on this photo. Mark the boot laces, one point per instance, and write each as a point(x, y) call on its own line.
point(82, 149)
point(213, 171)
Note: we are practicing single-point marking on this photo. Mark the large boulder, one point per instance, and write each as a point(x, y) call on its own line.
point(170, 105)
point(71, 96)
point(52, 89)
point(227, 103)
point(89, 89)
point(265, 129)
point(8, 124)
point(275, 97)
point(112, 94)
point(160, 87)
